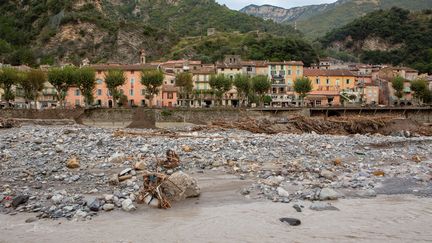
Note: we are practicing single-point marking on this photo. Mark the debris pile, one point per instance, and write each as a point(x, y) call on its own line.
point(340, 126)
point(8, 123)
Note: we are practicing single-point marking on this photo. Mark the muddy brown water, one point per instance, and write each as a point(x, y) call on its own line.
point(221, 214)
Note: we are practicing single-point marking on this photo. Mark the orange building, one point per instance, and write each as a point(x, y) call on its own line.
point(327, 85)
point(133, 89)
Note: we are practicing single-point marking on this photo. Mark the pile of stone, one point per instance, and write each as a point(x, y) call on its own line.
point(76, 171)
point(8, 123)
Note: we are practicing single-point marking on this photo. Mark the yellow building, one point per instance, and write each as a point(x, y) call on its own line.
point(327, 85)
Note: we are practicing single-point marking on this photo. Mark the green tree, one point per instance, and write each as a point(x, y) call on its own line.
point(8, 78)
point(243, 85)
point(152, 79)
point(267, 100)
point(261, 85)
point(302, 86)
point(62, 79)
point(114, 79)
point(184, 81)
point(220, 84)
point(420, 89)
point(86, 82)
point(32, 83)
point(398, 86)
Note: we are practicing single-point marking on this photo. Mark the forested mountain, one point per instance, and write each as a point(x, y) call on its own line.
point(316, 20)
point(394, 36)
point(48, 31)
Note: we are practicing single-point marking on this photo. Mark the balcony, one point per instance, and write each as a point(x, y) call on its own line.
point(280, 83)
point(278, 77)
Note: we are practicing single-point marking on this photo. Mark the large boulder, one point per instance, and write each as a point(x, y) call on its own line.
point(180, 186)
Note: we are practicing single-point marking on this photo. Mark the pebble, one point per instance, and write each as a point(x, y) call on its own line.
point(322, 206)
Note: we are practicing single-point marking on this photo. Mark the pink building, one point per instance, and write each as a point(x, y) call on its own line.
point(133, 89)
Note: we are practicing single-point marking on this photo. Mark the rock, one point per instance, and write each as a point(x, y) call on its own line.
point(113, 180)
point(109, 197)
point(273, 180)
point(18, 200)
point(245, 191)
point(281, 192)
point(31, 220)
point(291, 221)
point(181, 181)
point(328, 194)
point(327, 174)
point(73, 163)
point(117, 158)
point(59, 149)
point(297, 208)
point(99, 143)
point(187, 149)
point(81, 215)
point(366, 193)
point(93, 204)
point(127, 205)
point(140, 165)
point(57, 199)
point(125, 171)
point(75, 178)
point(321, 206)
point(108, 207)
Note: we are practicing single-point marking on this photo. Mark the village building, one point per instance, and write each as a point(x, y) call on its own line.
point(329, 86)
point(132, 89)
point(282, 76)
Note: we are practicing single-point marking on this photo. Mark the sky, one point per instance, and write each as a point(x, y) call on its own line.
point(238, 4)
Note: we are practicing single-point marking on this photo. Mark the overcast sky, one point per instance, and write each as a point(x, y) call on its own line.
point(238, 4)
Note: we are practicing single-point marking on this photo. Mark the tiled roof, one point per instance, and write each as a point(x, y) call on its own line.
point(125, 67)
point(297, 63)
point(255, 63)
point(320, 72)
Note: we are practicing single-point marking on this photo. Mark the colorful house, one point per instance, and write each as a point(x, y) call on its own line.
point(329, 85)
point(133, 89)
point(282, 76)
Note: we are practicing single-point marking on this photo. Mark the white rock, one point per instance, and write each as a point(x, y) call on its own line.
point(108, 207)
point(328, 194)
point(281, 192)
point(127, 205)
point(57, 199)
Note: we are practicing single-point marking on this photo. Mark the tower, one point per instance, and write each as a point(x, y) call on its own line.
point(142, 57)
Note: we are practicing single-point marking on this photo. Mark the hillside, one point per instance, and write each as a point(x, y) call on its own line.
point(316, 20)
point(393, 36)
point(51, 31)
point(252, 46)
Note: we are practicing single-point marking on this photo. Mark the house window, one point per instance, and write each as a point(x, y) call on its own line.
point(99, 92)
point(282, 73)
point(337, 82)
point(132, 81)
point(298, 72)
point(170, 95)
point(99, 72)
point(289, 72)
point(328, 81)
point(99, 81)
point(273, 66)
point(317, 81)
point(131, 92)
point(347, 81)
point(281, 67)
point(77, 102)
point(77, 92)
point(222, 69)
point(273, 73)
point(249, 69)
point(132, 72)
